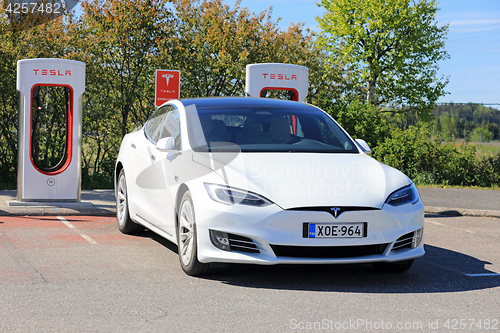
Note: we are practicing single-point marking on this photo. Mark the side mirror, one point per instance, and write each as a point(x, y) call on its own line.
point(364, 146)
point(167, 145)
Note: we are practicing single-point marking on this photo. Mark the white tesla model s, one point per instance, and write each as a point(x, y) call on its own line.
point(263, 181)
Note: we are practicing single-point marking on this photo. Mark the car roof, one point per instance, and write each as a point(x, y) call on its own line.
point(229, 102)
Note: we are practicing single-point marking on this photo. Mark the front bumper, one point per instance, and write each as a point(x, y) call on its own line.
point(277, 235)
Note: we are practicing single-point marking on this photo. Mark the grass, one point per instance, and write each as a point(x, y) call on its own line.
point(485, 149)
point(493, 188)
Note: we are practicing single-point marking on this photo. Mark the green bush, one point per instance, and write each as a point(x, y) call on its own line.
point(414, 152)
point(488, 171)
point(92, 181)
point(362, 121)
point(426, 160)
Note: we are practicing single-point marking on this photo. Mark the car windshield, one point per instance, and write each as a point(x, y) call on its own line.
point(265, 129)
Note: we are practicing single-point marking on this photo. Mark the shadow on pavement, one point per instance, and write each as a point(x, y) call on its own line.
point(159, 239)
point(448, 213)
point(439, 270)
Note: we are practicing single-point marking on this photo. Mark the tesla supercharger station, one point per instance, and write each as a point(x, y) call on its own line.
point(261, 78)
point(50, 129)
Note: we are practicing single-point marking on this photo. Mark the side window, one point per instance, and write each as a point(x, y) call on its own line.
point(171, 124)
point(172, 127)
point(154, 126)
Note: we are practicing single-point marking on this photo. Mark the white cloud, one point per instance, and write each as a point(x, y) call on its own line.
point(474, 22)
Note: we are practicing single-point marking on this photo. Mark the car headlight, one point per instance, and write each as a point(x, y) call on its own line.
point(403, 196)
point(230, 196)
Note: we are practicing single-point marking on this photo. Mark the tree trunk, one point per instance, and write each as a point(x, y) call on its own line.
point(371, 89)
point(125, 113)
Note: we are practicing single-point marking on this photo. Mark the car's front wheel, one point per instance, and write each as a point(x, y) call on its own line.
point(393, 267)
point(187, 239)
point(125, 223)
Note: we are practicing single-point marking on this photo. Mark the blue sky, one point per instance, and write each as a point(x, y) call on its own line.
point(473, 42)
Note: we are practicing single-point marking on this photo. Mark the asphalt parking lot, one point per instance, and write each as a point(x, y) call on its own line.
point(79, 274)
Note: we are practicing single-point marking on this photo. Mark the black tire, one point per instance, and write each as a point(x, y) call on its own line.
point(187, 243)
point(125, 223)
point(393, 267)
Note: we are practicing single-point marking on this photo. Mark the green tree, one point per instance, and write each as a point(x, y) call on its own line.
point(118, 40)
point(390, 47)
point(495, 130)
point(481, 134)
point(212, 43)
point(438, 128)
point(8, 107)
point(448, 124)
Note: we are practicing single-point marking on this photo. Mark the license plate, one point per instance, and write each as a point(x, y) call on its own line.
point(335, 230)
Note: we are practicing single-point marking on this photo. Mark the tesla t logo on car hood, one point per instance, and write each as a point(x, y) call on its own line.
point(336, 211)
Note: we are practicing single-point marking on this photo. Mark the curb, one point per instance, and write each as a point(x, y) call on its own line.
point(55, 211)
point(19, 208)
point(94, 203)
point(461, 212)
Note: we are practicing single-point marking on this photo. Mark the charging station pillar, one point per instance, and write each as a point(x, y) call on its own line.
point(50, 129)
point(263, 77)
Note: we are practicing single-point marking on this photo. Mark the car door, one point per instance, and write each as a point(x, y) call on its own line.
point(168, 168)
point(154, 201)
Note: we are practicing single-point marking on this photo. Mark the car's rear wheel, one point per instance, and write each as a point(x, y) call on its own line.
point(125, 223)
point(393, 267)
point(187, 239)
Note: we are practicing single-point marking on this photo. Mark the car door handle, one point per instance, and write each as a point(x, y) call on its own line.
point(153, 157)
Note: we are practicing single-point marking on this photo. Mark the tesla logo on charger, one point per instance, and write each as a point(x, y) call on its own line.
point(167, 85)
point(279, 76)
point(52, 72)
point(167, 77)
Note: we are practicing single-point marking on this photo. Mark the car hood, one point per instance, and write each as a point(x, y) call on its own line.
point(308, 179)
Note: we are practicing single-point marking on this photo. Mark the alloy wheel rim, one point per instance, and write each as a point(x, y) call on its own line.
point(186, 225)
point(121, 199)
